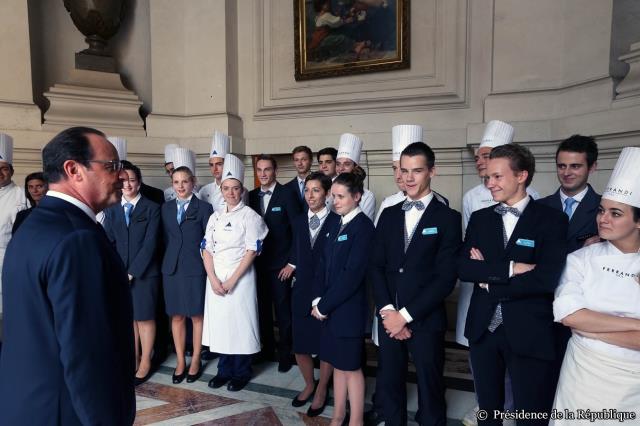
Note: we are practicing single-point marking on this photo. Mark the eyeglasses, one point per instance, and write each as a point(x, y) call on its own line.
point(111, 165)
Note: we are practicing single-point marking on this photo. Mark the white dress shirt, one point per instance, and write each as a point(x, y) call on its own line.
point(267, 197)
point(79, 204)
point(578, 199)
point(133, 202)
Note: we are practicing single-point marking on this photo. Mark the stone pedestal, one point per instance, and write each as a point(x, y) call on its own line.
point(630, 85)
point(94, 99)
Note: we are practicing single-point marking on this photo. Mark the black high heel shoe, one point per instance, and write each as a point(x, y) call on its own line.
point(178, 378)
point(137, 381)
point(193, 377)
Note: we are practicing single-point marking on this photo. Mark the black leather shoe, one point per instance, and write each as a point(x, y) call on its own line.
point(315, 412)
point(296, 402)
point(140, 380)
point(218, 382)
point(178, 378)
point(207, 355)
point(372, 418)
point(193, 377)
point(236, 385)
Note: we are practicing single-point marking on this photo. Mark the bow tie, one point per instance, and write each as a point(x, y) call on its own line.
point(408, 205)
point(263, 193)
point(502, 210)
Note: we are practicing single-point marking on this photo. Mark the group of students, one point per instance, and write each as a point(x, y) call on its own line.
point(228, 259)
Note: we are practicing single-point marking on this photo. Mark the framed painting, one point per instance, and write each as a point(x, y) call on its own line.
point(344, 37)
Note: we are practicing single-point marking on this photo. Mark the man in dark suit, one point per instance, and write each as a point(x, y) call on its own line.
point(576, 159)
point(413, 269)
point(302, 156)
point(68, 354)
point(279, 207)
point(514, 253)
point(154, 194)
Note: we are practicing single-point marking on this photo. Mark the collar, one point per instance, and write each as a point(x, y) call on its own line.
point(8, 186)
point(301, 180)
point(236, 208)
point(79, 204)
point(321, 214)
point(578, 197)
point(270, 188)
point(520, 205)
point(188, 199)
point(425, 200)
point(349, 216)
point(134, 201)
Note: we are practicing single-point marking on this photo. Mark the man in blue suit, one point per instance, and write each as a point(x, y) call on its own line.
point(302, 157)
point(514, 253)
point(413, 270)
point(576, 159)
point(278, 206)
point(68, 354)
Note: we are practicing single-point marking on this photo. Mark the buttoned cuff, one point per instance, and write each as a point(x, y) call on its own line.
point(405, 315)
point(315, 302)
point(389, 307)
point(511, 268)
point(293, 266)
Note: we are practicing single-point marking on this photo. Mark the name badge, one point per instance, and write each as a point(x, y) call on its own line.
point(342, 237)
point(276, 209)
point(525, 243)
point(430, 231)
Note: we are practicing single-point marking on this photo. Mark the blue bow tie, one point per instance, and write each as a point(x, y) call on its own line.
point(502, 210)
point(408, 205)
point(263, 193)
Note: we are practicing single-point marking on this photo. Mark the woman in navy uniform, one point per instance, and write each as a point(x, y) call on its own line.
point(134, 225)
point(184, 221)
point(308, 245)
point(340, 296)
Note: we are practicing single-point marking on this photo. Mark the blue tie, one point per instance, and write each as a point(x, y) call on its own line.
point(127, 213)
point(181, 210)
point(568, 206)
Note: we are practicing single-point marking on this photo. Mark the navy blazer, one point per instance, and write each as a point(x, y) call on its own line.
point(582, 224)
point(68, 354)
point(136, 244)
point(295, 188)
point(182, 242)
point(538, 238)
point(154, 194)
point(420, 279)
point(307, 260)
point(283, 208)
point(340, 281)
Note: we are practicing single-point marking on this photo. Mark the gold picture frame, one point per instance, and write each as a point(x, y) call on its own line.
point(344, 37)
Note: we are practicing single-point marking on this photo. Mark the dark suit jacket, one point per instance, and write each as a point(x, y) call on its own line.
point(67, 356)
point(582, 224)
point(282, 210)
point(527, 298)
point(420, 279)
point(295, 188)
point(20, 217)
point(136, 244)
point(341, 278)
point(154, 194)
point(307, 260)
point(182, 242)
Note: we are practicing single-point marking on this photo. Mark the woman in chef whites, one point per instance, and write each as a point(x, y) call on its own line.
point(340, 296)
point(232, 241)
point(599, 298)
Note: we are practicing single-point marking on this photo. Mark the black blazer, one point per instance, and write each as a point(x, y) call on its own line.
point(20, 217)
point(295, 188)
point(420, 279)
point(282, 210)
point(538, 238)
point(341, 278)
point(136, 244)
point(582, 224)
point(182, 242)
point(67, 356)
point(307, 260)
point(154, 194)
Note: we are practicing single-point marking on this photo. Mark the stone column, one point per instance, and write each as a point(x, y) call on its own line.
point(194, 70)
point(17, 110)
point(630, 85)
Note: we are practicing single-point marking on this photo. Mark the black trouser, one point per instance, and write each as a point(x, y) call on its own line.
point(427, 352)
point(532, 379)
point(274, 294)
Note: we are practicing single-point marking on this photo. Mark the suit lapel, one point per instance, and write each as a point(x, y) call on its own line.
point(192, 210)
point(138, 210)
point(275, 198)
point(584, 212)
point(524, 223)
point(428, 212)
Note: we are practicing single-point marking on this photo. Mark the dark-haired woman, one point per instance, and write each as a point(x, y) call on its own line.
point(184, 221)
point(134, 226)
point(308, 245)
point(340, 296)
point(599, 298)
point(35, 188)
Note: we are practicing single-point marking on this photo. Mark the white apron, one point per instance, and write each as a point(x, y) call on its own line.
point(596, 375)
point(231, 321)
point(12, 200)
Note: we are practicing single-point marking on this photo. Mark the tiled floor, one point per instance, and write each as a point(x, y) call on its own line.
point(267, 398)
